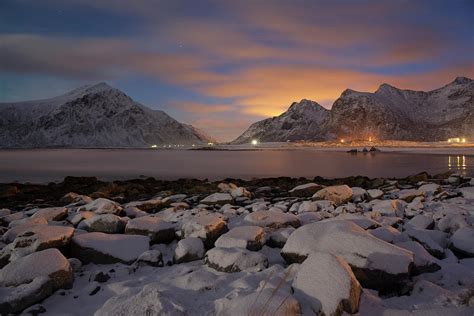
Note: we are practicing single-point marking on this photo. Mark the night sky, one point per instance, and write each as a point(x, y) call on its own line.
point(221, 65)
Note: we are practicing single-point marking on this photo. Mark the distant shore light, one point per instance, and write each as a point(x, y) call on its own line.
point(254, 142)
point(154, 146)
point(342, 140)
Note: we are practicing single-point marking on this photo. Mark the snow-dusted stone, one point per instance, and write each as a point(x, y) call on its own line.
point(265, 302)
point(339, 194)
point(80, 216)
point(420, 222)
point(235, 260)
point(376, 263)
point(307, 206)
point(467, 192)
point(434, 241)
point(207, 227)
point(152, 258)
point(34, 238)
point(305, 190)
point(277, 239)
point(409, 195)
point(29, 221)
point(32, 278)
point(272, 219)
point(149, 300)
point(375, 194)
point(148, 205)
point(157, 229)
point(424, 262)
point(102, 206)
point(311, 217)
point(327, 283)
point(71, 197)
point(105, 223)
point(217, 198)
point(249, 237)
point(189, 249)
point(430, 189)
point(358, 194)
point(462, 242)
point(104, 248)
point(51, 213)
point(134, 212)
point(76, 264)
point(389, 208)
point(234, 190)
point(360, 220)
point(450, 223)
point(386, 233)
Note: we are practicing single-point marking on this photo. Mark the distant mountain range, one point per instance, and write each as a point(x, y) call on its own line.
point(91, 116)
point(388, 113)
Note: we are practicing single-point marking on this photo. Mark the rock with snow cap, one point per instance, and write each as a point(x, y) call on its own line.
point(272, 219)
point(249, 237)
point(235, 260)
point(217, 198)
point(158, 230)
point(189, 249)
point(207, 227)
point(102, 206)
point(105, 223)
point(51, 213)
point(462, 242)
point(339, 194)
point(305, 190)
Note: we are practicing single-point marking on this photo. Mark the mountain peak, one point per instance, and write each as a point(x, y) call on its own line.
point(304, 104)
point(385, 87)
point(461, 80)
point(89, 88)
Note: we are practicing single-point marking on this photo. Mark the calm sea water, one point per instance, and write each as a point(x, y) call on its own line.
point(53, 165)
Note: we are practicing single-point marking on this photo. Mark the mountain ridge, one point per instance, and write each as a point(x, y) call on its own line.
point(389, 113)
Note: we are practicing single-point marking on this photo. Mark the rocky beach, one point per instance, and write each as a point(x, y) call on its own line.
point(276, 246)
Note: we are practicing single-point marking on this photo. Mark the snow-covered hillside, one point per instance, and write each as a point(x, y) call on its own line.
point(90, 116)
point(388, 113)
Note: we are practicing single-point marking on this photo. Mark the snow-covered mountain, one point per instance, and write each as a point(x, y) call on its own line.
point(303, 120)
point(388, 113)
point(90, 116)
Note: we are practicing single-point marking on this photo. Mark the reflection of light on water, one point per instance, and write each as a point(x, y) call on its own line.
point(457, 163)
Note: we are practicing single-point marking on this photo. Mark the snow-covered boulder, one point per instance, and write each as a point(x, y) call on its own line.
point(386, 233)
point(264, 302)
point(235, 260)
point(376, 263)
point(339, 194)
point(424, 262)
point(307, 206)
point(157, 229)
point(327, 284)
point(152, 258)
point(278, 238)
point(105, 223)
point(375, 194)
point(102, 206)
point(409, 195)
point(189, 249)
point(104, 248)
point(360, 220)
point(150, 299)
point(35, 238)
point(217, 198)
point(234, 190)
point(51, 213)
point(208, 227)
point(467, 192)
point(77, 199)
point(462, 242)
point(420, 222)
point(389, 208)
point(434, 241)
point(305, 190)
point(249, 237)
point(430, 189)
point(272, 219)
point(450, 223)
point(32, 278)
point(358, 194)
point(148, 205)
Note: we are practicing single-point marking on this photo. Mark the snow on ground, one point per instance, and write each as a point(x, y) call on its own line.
point(274, 253)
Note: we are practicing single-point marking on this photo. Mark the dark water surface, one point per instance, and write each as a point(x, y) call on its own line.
point(54, 164)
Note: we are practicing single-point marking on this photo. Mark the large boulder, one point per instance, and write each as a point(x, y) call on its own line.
point(249, 237)
point(189, 249)
point(424, 262)
point(207, 227)
point(305, 190)
point(157, 229)
point(467, 192)
point(217, 198)
point(105, 223)
point(102, 206)
point(328, 284)
point(104, 248)
point(389, 208)
point(339, 194)
point(272, 219)
point(32, 278)
point(51, 213)
point(462, 242)
point(376, 263)
point(235, 260)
